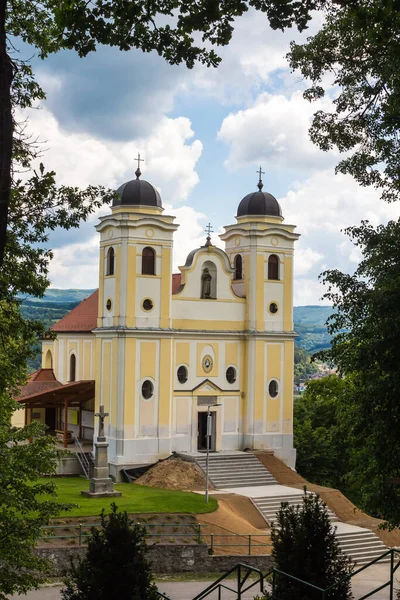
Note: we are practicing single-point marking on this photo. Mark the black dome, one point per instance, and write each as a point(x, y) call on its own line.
point(259, 203)
point(137, 192)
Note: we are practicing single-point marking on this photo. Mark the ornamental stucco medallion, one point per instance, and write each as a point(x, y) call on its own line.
point(207, 363)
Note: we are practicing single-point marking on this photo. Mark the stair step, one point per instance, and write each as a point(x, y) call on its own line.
point(243, 470)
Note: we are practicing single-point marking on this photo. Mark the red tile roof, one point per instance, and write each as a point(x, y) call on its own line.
point(42, 380)
point(176, 282)
point(83, 318)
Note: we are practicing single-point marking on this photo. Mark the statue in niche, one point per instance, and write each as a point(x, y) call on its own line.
point(206, 284)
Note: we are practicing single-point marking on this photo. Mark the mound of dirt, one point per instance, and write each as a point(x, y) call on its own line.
point(174, 474)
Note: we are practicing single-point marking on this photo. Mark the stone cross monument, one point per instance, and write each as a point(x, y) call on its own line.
point(101, 484)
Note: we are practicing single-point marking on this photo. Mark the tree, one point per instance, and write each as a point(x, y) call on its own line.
point(115, 565)
point(167, 27)
point(322, 436)
point(303, 367)
point(23, 510)
point(37, 206)
point(305, 546)
point(365, 348)
point(358, 47)
point(26, 502)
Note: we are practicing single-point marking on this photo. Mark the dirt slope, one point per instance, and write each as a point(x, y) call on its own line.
point(236, 515)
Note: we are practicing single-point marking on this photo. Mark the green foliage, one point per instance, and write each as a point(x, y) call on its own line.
point(305, 546)
point(303, 367)
point(357, 50)
point(365, 348)
point(23, 511)
point(115, 565)
point(321, 432)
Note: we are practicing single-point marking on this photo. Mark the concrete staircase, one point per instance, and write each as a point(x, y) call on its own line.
point(236, 470)
point(362, 545)
point(269, 505)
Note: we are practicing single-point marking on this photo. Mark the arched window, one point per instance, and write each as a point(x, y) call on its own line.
point(273, 267)
point(48, 361)
point(148, 261)
point(110, 261)
point(72, 367)
point(238, 267)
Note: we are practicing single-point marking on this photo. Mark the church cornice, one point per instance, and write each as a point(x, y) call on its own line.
point(163, 332)
point(234, 230)
point(145, 220)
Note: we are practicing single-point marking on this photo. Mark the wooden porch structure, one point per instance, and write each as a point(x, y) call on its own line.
point(43, 390)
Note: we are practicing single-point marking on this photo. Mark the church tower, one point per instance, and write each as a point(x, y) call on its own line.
point(133, 358)
point(260, 247)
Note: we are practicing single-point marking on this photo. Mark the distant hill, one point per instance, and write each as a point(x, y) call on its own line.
point(309, 321)
point(60, 296)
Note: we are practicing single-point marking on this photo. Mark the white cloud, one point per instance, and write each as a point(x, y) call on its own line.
point(76, 265)
point(252, 59)
point(80, 159)
point(308, 291)
point(306, 259)
point(274, 131)
point(321, 207)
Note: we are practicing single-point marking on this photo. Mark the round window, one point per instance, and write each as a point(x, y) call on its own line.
point(273, 388)
point(231, 375)
point(108, 304)
point(147, 304)
point(147, 389)
point(182, 374)
point(273, 308)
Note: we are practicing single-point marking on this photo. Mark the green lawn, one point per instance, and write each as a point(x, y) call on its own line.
point(134, 499)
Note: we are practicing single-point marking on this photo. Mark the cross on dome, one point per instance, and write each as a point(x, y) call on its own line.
point(260, 184)
point(138, 172)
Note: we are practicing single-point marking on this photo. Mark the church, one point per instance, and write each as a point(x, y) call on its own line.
point(159, 349)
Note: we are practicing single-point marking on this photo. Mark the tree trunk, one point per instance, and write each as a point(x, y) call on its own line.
point(6, 130)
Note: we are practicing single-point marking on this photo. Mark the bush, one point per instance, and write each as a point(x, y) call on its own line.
point(305, 546)
point(115, 565)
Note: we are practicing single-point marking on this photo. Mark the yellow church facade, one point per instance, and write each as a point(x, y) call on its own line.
point(164, 347)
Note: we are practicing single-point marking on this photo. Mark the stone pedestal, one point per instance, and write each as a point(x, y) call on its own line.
point(101, 485)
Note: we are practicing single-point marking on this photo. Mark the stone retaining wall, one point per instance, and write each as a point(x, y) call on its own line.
point(167, 559)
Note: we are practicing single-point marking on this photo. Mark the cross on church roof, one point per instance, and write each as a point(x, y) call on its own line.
point(138, 172)
point(208, 230)
point(260, 184)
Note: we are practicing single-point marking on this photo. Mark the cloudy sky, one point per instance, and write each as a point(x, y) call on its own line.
point(203, 134)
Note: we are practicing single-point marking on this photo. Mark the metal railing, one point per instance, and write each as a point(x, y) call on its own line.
point(249, 542)
point(81, 532)
point(242, 573)
point(322, 594)
point(246, 541)
point(83, 460)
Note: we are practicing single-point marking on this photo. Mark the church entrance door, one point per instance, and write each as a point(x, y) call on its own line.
point(202, 431)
